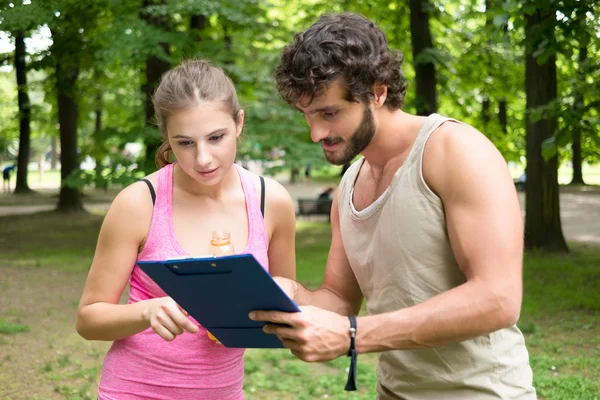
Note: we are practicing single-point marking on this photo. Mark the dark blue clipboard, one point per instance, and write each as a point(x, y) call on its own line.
point(220, 292)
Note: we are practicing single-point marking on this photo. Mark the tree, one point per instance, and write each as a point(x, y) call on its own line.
point(65, 49)
point(18, 20)
point(71, 28)
point(24, 114)
point(579, 104)
point(157, 64)
point(542, 217)
point(426, 99)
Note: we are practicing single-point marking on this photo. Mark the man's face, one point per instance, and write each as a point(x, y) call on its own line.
point(344, 128)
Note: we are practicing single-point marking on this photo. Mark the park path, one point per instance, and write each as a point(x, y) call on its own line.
point(580, 211)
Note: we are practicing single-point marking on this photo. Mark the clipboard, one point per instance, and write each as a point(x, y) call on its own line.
point(220, 292)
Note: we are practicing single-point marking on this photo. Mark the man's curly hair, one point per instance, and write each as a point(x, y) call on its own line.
point(342, 45)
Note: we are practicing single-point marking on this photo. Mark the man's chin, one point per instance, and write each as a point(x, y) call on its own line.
point(332, 159)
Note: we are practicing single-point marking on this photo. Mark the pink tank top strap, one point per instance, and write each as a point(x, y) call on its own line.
point(257, 236)
point(161, 214)
point(164, 190)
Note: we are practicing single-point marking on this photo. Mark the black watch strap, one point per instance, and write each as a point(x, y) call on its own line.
point(351, 383)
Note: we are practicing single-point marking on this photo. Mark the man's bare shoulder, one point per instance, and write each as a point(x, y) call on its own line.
point(456, 153)
point(457, 140)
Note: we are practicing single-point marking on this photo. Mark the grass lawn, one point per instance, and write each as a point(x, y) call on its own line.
point(44, 259)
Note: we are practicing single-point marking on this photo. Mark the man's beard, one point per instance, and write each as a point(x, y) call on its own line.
point(359, 140)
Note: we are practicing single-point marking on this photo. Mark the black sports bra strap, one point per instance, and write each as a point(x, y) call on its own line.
point(262, 196)
point(152, 193)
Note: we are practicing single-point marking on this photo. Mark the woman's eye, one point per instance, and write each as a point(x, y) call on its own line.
point(216, 137)
point(185, 142)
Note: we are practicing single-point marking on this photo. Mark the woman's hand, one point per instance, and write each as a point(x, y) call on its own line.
point(167, 319)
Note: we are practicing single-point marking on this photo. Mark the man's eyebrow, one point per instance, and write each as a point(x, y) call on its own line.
point(326, 109)
point(320, 109)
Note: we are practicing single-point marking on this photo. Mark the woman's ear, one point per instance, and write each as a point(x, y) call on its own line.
point(240, 123)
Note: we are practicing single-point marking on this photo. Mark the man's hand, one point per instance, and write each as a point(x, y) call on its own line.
point(312, 335)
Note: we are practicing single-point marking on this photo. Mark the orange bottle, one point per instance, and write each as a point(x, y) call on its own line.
point(220, 245)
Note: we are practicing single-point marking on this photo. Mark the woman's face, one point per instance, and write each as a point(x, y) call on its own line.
point(204, 141)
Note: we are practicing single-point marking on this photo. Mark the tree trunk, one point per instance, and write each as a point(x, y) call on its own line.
point(197, 25)
point(53, 153)
point(426, 100)
point(228, 45)
point(66, 38)
point(576, 146)
point(100, 183)
point(485, 111)
point(542, 220)
point(24, 115)
point(69, 198)
point(486, 103)
point(198, 22)
point(502, 104)
point(502, 116)
point(155, 68)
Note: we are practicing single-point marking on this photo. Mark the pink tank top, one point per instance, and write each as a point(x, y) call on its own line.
point(144, 366)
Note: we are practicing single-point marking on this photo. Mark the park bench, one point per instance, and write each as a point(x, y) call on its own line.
point(310, 207)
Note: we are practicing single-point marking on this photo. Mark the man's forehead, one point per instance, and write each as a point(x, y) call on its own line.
point(330, 96)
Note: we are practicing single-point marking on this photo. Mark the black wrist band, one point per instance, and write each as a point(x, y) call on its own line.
point(351, 383)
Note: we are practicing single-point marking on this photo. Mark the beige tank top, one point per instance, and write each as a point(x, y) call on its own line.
point(399, 251)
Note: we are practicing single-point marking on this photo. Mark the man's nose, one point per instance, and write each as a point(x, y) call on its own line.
point(318, 133)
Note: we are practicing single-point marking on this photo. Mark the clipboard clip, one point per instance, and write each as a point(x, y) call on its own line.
point(182, 269)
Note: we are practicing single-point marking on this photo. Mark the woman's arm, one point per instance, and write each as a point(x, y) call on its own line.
point(280, 219)
point(99, 315)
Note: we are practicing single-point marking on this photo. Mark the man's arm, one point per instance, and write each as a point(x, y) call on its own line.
point(486, 234)
point(339, 291)
point(485, 229)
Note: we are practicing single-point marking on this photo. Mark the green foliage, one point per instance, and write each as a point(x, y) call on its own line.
point(117, 174)
point(478, 54)
point(9, 121)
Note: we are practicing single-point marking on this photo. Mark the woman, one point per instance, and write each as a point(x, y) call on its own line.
point(159, 352)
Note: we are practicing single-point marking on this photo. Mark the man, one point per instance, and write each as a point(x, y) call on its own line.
point(6, 177)
point(426, 226)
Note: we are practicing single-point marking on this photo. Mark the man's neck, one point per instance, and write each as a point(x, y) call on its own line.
point(395, 135)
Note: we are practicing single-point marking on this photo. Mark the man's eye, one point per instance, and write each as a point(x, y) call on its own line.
point(216, 137)
point(329, 115)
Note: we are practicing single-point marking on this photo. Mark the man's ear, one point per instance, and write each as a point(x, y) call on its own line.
point(239, 125)
point(379, 94)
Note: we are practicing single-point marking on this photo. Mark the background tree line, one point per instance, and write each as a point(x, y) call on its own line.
point(525, 72)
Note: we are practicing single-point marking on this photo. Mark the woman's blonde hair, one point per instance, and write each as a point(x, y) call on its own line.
point(191, 83)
